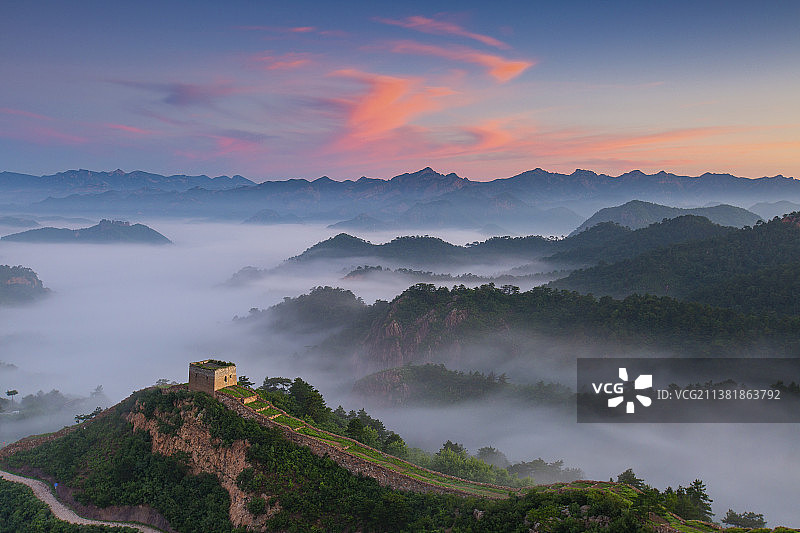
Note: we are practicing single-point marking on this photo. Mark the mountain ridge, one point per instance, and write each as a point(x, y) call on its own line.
point(324, 199)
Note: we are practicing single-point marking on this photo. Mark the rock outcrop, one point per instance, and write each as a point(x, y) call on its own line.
point(206, 455)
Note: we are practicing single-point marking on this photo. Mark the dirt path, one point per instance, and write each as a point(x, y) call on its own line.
point(61, 511)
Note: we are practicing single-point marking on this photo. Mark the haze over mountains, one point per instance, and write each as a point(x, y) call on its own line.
point(334, 338)
point(422, 199)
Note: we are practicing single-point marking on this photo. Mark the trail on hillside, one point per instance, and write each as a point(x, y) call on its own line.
point(42, 491)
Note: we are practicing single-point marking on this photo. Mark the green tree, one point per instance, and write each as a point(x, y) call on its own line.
point(277, 384)
point(746, 519)
point(395, 445)
point(244, 381)
point(88, 416)
point(355, 429)
point(493, 456)
point(630, 478)
point(700, 500)
point(454, 447)
point(309, 400)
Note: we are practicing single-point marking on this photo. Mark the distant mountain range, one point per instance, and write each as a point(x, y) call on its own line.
point(19, 188)
point(17, 222)
point(637, 214)
point(533, 201)
point(107, 231)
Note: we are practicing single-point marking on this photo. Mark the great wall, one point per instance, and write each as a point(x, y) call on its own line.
point(206, 454)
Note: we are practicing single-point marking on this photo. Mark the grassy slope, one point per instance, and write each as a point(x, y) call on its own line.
point(372, 455)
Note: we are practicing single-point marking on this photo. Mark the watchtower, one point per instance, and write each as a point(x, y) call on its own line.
point(211, 375)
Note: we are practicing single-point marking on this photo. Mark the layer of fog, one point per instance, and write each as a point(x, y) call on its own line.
point(744, 466)
point(124, 316)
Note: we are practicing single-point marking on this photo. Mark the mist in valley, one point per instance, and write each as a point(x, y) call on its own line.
point(124, 316)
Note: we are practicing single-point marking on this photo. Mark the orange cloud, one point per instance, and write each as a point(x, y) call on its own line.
point(505, 146)
point(438, 27)
point(621, 143)
point(490, 136)
point(501, 69)
point(389, 103)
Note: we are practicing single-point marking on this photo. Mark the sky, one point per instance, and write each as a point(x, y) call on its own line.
point(277, 90)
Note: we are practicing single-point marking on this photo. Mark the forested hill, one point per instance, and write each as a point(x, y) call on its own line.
point(750, 270)
point(638, 214)
point(427, 323)
point(600, 244)
point(411, 249)
point(107, 231)
point(429, 385)
point(195, 464)
point(426, 320)
point(19, 284)
point(604, 242)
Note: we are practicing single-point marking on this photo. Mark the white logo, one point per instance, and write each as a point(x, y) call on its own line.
point(644, 381)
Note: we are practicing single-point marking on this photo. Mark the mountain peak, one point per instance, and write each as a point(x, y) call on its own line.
point(428, 179)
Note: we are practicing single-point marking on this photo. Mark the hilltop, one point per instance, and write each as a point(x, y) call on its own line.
point(106, 232)
point(197, 463)
point(19, 284)
point(637, 214)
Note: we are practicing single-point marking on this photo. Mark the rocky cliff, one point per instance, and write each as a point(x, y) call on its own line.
point(394, 342)
point(205, 455)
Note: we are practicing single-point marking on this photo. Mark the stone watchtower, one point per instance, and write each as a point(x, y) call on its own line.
point(211, 375)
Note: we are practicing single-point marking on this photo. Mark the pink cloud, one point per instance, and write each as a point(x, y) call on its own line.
point(295, 29)
point(228, 143)
point(129, 129)
point(439, 27)
point(22, 113)
point(501, 69)
point(44, 135)
point(389, 103)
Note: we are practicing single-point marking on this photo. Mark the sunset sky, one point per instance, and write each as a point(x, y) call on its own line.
point(274, 90)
